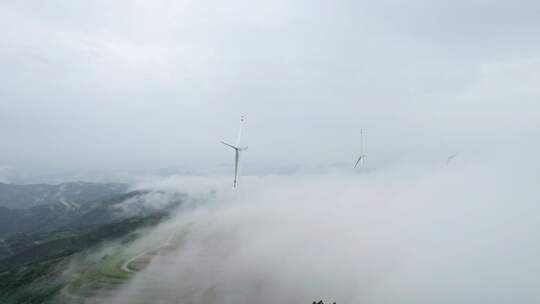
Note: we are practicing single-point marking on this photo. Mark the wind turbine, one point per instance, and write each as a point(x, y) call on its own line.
point(237, 150)
point(450, 158)
point(362, 158)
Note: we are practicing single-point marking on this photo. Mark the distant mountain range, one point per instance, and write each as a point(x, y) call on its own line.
point(26, 196)
point(72, 215)
point(61, 215)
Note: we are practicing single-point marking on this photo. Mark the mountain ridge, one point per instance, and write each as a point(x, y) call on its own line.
point(15, 196)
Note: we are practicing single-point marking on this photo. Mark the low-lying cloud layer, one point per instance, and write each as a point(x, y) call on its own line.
point(456, 234)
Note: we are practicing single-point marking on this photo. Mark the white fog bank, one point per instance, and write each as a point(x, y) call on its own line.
point(457, 234)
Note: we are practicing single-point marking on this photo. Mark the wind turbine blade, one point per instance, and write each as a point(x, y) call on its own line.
point(226, 144)
point(240, 131)
point(359, 159)
point(361, 141)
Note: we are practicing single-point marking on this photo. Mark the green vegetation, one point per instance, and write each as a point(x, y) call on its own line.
point(69, 267)
point(61, 247)
point(63, 216)
point(30, 284)
point(67, 251)
point(26, 196)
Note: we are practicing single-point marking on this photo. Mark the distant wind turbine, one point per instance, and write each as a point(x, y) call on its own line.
point(237, 150)
point(450, 158)
point(362, 158)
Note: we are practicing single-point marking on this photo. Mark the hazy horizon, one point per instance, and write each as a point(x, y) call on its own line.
point(109, 90)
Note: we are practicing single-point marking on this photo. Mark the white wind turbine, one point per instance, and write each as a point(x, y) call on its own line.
point(450, 158)
point(362, 158)
point(237, 150)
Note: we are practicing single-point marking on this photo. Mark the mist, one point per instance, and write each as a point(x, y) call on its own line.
point(142, 92)
point(121, 90)
point(465, 233)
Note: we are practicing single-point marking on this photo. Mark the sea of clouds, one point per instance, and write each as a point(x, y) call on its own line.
point(463, 233)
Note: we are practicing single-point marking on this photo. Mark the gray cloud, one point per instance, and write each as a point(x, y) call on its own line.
point(135, 87)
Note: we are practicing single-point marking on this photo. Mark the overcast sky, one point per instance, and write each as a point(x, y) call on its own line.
point(142, 86)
